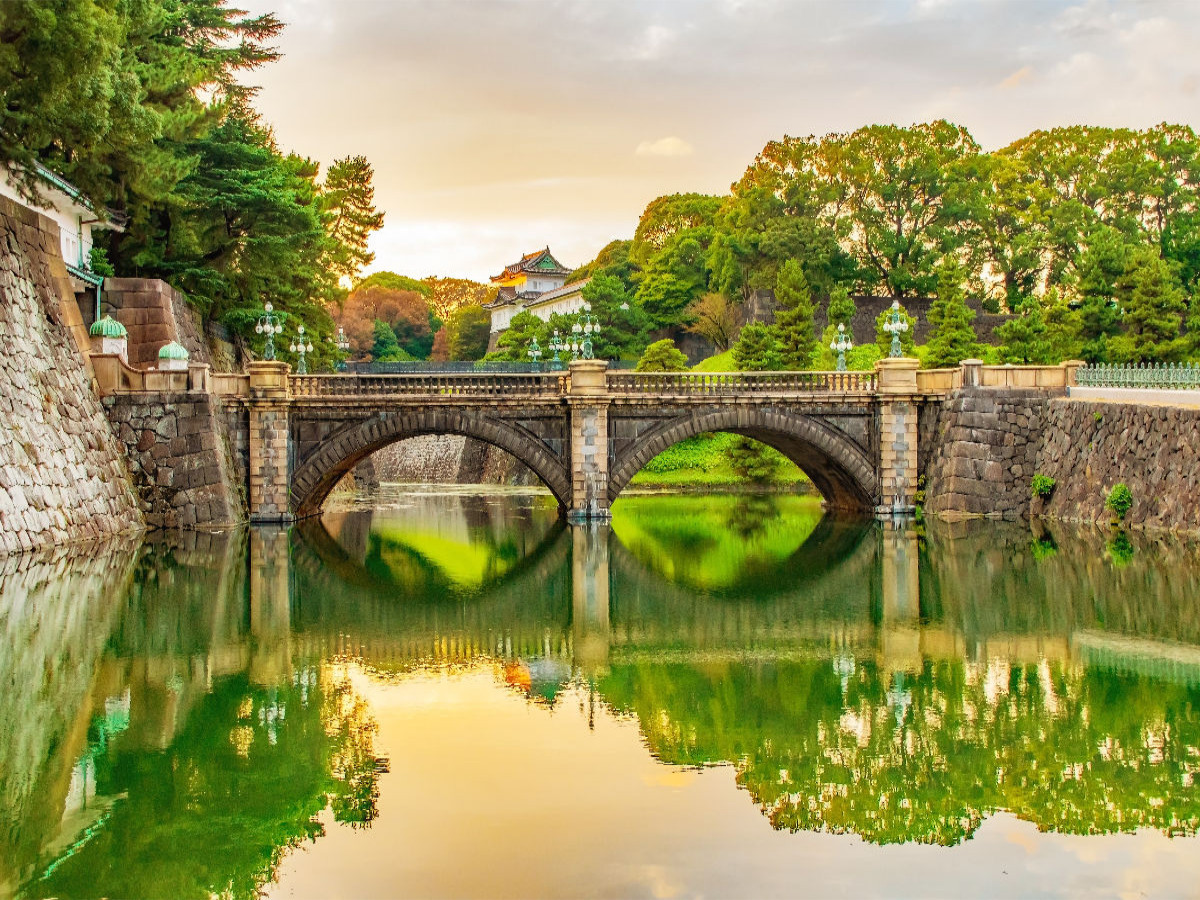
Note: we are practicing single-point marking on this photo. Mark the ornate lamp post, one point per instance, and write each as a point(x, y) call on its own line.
point(840, 345)
point(343, 345)
point(558, 345)
point(302, 348)
point(268, 324)
point(535, 354)
point(895, 326)
point(582, 331)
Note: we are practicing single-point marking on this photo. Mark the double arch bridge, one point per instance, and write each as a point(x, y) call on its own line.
point(584, 432)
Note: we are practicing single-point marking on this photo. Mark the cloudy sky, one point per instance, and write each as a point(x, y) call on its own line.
point(496, 128)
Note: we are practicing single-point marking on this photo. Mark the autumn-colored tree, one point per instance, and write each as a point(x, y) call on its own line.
point(716, 320)
point(446, 295)
point(405, 312)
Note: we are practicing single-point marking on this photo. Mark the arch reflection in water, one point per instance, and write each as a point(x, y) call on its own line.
point(870, 684)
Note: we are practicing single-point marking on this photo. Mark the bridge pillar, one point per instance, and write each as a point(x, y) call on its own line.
point(590, 624)
point(898, 397)
point(588, 402)
point(269, 486)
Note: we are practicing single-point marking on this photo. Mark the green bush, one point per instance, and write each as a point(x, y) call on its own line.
point(1042, 485)
point(1120, 499)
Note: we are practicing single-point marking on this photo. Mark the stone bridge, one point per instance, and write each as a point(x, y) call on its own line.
point(584, 432)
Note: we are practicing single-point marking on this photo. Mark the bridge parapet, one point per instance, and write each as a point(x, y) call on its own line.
point(726, 383)
point(487, 384)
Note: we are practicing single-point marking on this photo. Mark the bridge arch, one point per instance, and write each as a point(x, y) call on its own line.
point(316, 476)
point(840, 470)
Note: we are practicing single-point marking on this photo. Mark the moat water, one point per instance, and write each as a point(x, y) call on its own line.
point(448, 694)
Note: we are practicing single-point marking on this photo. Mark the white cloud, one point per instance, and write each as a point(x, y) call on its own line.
point(667, 146)
point(1016, 78)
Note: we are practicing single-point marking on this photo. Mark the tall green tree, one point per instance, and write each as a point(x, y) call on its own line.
point(1023, 337)
point(348, 210)
point(468, 330)
point(1155, 305)
point(1101, 266)
point(624, 325)
point(794, 323)
point(953, 337)
point(387, 348)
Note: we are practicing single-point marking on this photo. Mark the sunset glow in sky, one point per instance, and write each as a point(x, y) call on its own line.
point(496, 128)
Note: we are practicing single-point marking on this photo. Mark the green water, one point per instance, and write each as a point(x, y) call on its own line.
point(447, 694)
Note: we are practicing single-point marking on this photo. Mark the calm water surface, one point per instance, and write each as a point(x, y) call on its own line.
point(457, 695)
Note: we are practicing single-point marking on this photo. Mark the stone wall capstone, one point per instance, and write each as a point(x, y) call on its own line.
point(62, 477)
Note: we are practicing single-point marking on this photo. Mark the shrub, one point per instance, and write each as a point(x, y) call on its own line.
point(1120, 499)
point(662, 356)
point(1042, 485)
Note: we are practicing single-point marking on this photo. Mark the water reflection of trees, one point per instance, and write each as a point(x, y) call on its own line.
point(1074, 750)
point(177, 770)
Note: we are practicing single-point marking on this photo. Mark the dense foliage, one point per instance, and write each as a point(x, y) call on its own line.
point(140, 103)
point(1091, 232)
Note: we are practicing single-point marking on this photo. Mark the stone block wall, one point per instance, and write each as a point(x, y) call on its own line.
point(980, 450)
point(449, 459)
point(179, 458)
point(62, 477)
point(154, 314)
point(1091, 446)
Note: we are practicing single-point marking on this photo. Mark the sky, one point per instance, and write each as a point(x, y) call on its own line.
point(497, 128)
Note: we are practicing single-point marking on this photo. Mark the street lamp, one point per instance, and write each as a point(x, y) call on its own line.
point(268, 324)
point(583, 330)
point(895, 326)
point(343, 345)
point(558, 346)
point(840, 345)
point(535, 354)
point(302, 348)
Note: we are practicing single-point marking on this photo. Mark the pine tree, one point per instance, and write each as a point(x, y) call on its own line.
point(663, 356)
point(953, 338)
point(1101, 266)
point(623, 323)
point(794, 317)
point(757, 349)
point(514, 342)
point(1062, 327)
point(1154, 307)
point(841, 308)
point(1023, 337)
point(347, 203)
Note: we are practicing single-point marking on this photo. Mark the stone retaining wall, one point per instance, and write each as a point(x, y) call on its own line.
point(179, 458)
point(62, 477)
point(980, 451)
point(154, 314)
point(1155, 450)
point(449, 459)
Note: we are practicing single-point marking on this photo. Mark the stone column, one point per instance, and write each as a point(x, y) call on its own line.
point(590, 625)
point(270, 605)
point(588, 400)
point(270, 484)
point(897, 436)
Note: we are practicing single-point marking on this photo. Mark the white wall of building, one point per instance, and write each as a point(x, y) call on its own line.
point(72, 218)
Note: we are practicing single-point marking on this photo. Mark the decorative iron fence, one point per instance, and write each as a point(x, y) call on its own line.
point(1161, 376)
point(497, 385)
point(741, 382)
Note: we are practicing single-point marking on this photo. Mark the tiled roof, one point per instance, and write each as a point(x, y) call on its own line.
point(531, 262)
